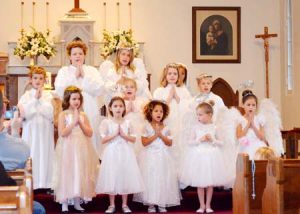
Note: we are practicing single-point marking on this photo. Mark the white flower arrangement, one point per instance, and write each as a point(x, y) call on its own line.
point(113, 40)
point(33, 44)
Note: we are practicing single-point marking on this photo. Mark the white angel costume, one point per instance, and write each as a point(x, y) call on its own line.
point(76, 165)
point(136, 117)
point(159, 172)
point(250, 143)
point(202, 164)
point(175, 118)
point(227, 121)
point(120, 173)
point(269, 119)
point(38, 132)
point(111, 76)
point(92, 87)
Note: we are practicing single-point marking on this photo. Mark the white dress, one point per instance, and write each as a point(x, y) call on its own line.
point(119, 172)
point(175, 119)
point(92, 87)
point(76, 165)
point(250, 142)
point(202, 164)
point(159, 172)
point(38, 132)
point(137, 119)
point(139, 75)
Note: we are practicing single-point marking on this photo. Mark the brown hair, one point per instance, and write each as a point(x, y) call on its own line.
point(36, 70)
point(247, 94)
point(207, 107)
point(264, 153)
point(163, 81)
point(151, 105)
point(76, 44)
point(182, 66)
point(117, 61)
point(111, 103)
point(67, 95)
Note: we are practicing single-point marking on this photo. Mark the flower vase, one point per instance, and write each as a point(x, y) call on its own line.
point(33, 61)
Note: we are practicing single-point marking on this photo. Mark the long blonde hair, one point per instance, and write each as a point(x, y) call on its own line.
point(163, 81)
point(117, 61)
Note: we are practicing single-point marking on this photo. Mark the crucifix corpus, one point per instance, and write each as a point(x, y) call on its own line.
point(266, 37)
point(76, 8)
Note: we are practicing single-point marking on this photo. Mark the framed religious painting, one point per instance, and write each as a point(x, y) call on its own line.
point(216, 34)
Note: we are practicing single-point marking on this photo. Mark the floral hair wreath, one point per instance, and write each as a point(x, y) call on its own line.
point(249, 93)
point(202, 76)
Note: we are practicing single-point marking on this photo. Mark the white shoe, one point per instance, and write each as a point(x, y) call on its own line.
point(151, 209)
point(162, 209)
point(126, 209)
point(200, 210)
point(209, 210)
point(110, 209)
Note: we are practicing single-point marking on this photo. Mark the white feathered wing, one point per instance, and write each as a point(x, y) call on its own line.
point(272, 127)
point(226, 123)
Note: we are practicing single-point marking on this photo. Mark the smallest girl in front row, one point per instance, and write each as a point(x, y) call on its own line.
point(156, 163)
point(75, 169)
point(202, 164)
point(119, 174)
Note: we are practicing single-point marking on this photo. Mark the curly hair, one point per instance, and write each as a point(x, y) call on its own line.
point(111, 103)
point(148, 109)
point(36, 70)
point(76, 44)
point(163, 81)
point(67, 95)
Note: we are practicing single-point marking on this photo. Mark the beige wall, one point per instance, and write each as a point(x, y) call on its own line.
point(165, 27)
point(291, 100)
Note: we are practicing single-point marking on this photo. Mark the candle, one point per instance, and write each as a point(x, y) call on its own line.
point(104, 13)
point(130, 16)
point(118, 14)
point(22, 15)
point(33, 13)
point(47, 15)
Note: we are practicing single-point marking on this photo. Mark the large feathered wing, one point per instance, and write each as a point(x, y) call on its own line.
point(227, 121)
point(272, 126)
point(104, 68)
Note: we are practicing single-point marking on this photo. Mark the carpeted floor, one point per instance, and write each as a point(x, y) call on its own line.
point(222, 203)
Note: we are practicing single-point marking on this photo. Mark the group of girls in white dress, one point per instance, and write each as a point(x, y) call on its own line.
point(148, 147)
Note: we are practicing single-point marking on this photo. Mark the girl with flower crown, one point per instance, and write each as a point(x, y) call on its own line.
point(126, 66)
point(177, 97)
point(85, 77)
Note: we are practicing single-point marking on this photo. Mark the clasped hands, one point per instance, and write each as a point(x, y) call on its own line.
point(79, 71)
point(206, 138)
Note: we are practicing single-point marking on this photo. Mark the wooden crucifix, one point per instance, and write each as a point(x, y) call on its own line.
point(76, 8)
point(266, 37)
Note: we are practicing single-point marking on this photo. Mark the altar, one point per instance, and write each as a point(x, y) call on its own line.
point(75, 24)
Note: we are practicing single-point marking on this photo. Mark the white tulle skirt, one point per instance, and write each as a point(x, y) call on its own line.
point(250, 147)
point(119, 172)
point(76, 168)
point(203, 166)
point(160, 178)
